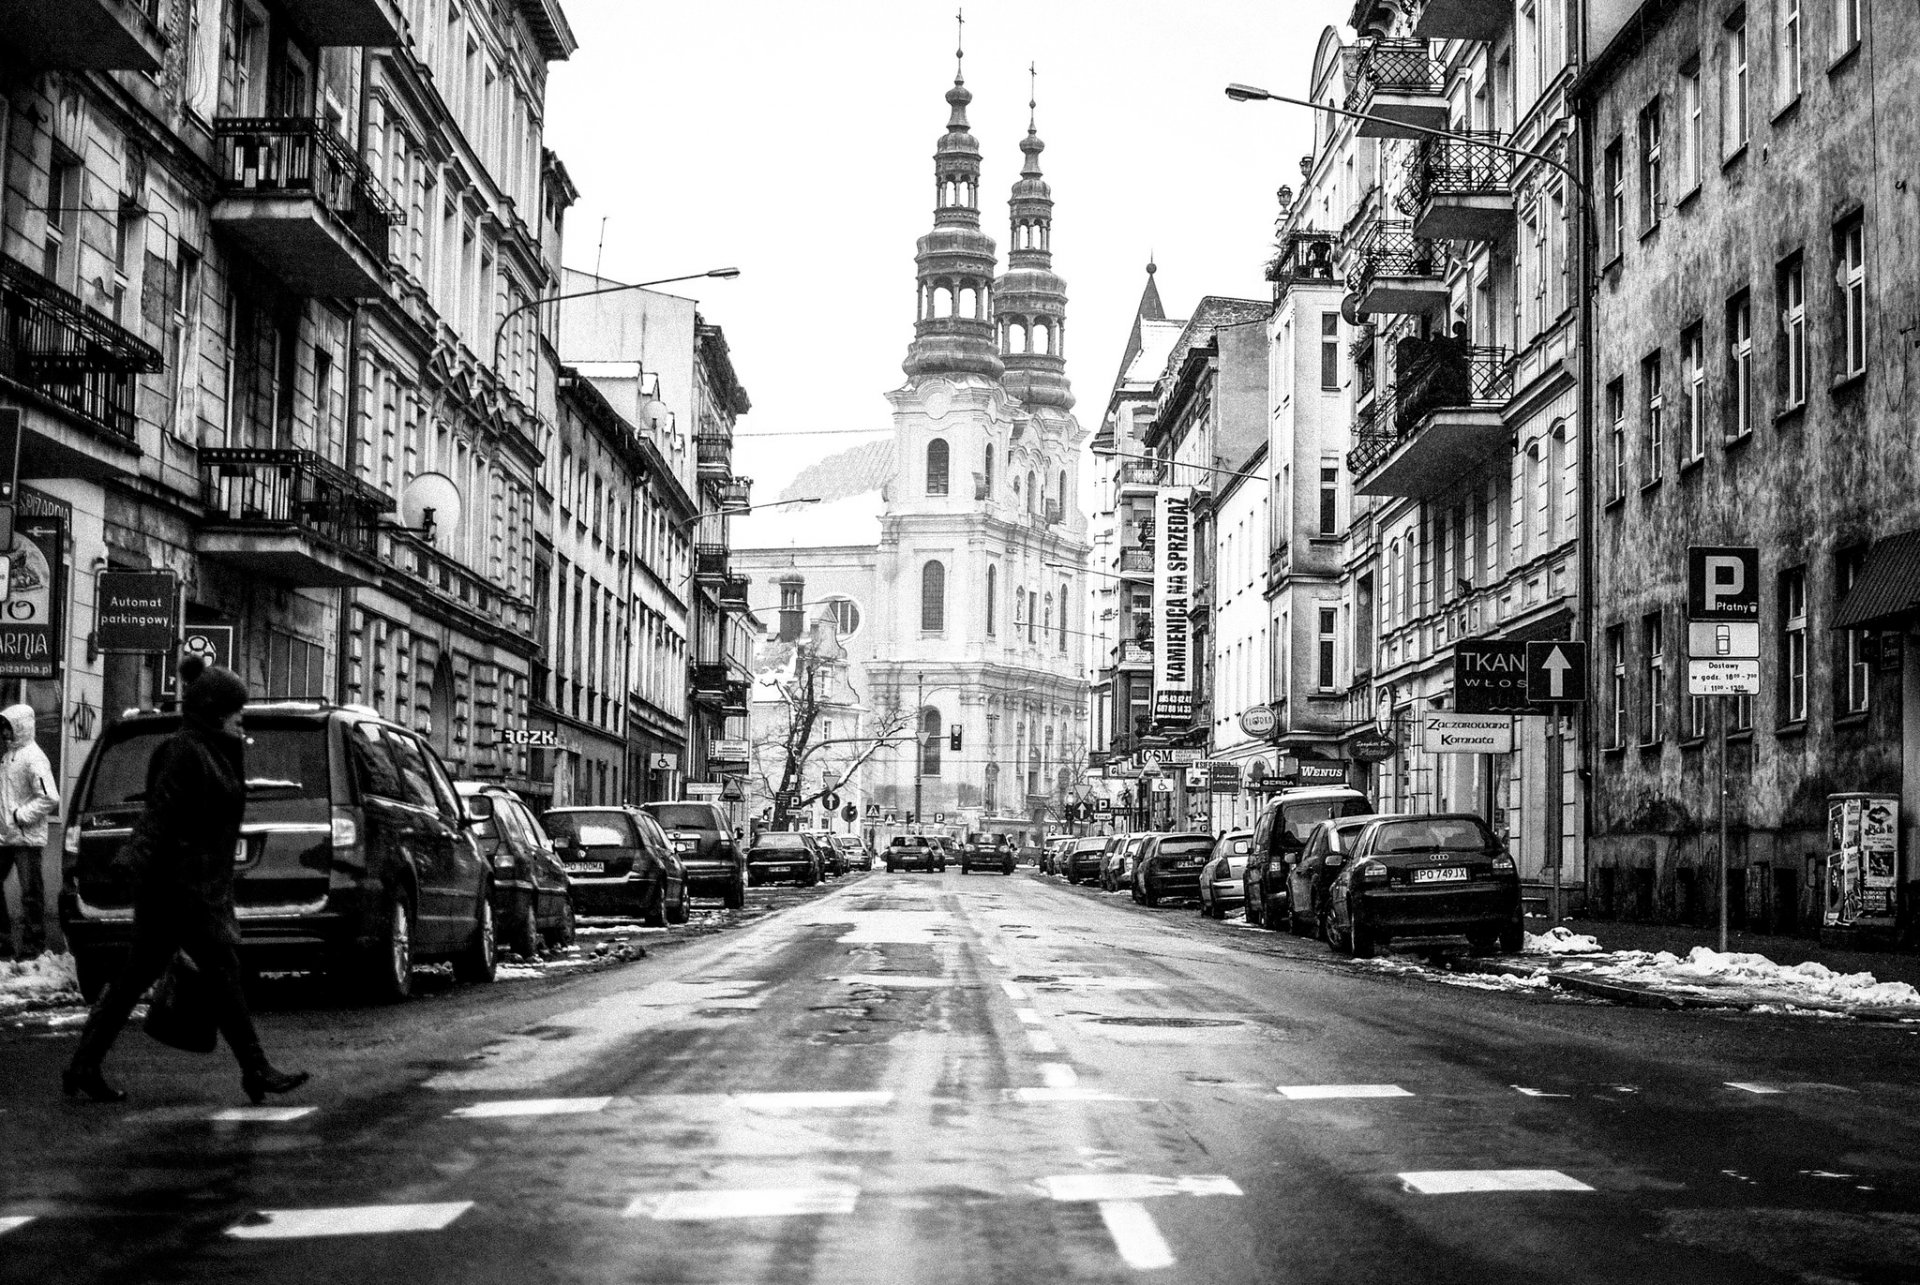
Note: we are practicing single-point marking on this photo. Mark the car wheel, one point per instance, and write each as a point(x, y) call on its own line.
point(526, 932)
point(811, 878)
point(654, 913)
point(1149, 893)
point(1359, 939)
point(388, 963)
point(736, 895)
point(1329, 934)
point(479, 958)
point(1256, 907)
point(679, 912)
point(1483, 943)
point(1295, 924)
point(1513, 936)
point(562, 935)
point(95, 969)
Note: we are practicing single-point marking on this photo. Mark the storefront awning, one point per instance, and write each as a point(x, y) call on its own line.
point(1888, 590)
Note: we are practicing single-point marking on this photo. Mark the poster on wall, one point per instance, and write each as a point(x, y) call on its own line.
point(1863, 861)
point(30, 617)
point(1172, 596)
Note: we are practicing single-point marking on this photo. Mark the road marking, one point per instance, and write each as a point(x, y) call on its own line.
point(996, 961)
point(760, 1202)
point(1537, 1093)
point(1446, 1182)
point(1138, 1240)
point(1013, 990)
point(1307, 1092)
point(1041, 1042)
point(262, 1115)
point(531, 1106)
point(352, 1220)
point(896, 980)
point(1747, 1086)
point(1075, 1094)
point(1135, 1186)
point(1058, 1075)
point(14, 1222)
point(821, 1100)
point(1027, 1015)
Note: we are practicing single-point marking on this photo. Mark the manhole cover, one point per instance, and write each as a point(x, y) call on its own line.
point(1181, 1022)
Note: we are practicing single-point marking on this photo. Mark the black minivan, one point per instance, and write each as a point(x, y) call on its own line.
point(708, 846)
point(356, 855)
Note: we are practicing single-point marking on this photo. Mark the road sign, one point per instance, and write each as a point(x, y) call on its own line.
point(829, 800)
point(1455, 733)
point(1722, 639)
point(1723, 582)
point(786, 798)
point(1556, 673)
point(1103, 805)
point(1223, 777)
point(1712, 677)
point(850, 813)
point(1258, 720)
point(940, 818)
point(1489, 676)
point(873, 811)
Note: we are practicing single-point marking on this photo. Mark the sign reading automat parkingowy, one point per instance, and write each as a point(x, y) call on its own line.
point(1172, 595)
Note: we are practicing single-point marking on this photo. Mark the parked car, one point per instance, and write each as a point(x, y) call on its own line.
point(1281, 835)
point(1121, 860)
point(1426, 880)
point(1304, 903)
point(832, 864)
point(620, 863)
point(915, 852)
point(1081, 863)
point(709, 848)
point(1053, 854)
point(784, 856)
point(358, 857)
point(854, 853)
point(1169, 865)
point(987, 852)
point(532, 897)
point(1223, 881)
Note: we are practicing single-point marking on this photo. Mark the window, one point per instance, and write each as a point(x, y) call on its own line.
point(1791, 289)
point(1617, 695)
point(1615, 182)
point(1696, 718)
point(1329, 501)
point(1329, 350)
point(1793, 646)
point(937, 466)
point(1850, 251)
point(993, 595)
point(1063, 617)
point(1742, 719)
point(1617, 438)
point(1692, 129)
point(1854, 667)
point(1739, 366)
point(1734, 124)
point(1846, 25)
point(1033, 615)
point(930, 741)
point(1329, 624)
point(933, 597)
point(1787, 56)
point(1654, 441)
point(1653, 192)
point(1653, 679)
point(986, 485)
point(1693, 373)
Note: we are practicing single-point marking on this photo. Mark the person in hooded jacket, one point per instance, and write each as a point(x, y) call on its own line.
point(27, 798)
point(182, 853)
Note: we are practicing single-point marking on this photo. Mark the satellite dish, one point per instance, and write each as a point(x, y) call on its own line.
point(1350, 311)
point(657, 416)
point(430, 505)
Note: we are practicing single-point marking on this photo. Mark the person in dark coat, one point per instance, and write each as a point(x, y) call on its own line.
point(182, 852)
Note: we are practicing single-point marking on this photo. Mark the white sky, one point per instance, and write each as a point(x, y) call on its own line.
point(794, 140)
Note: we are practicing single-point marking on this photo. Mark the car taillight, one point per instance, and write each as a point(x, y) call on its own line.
point(70, 840)
point(1372, 872)
point(346, 838)
point(503, 859)
point(1503, 863)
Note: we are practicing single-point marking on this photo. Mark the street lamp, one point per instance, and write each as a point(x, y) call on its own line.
point(683, 523)
point(724, 274)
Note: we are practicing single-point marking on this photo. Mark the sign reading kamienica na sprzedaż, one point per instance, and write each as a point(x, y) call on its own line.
point(1172, 595)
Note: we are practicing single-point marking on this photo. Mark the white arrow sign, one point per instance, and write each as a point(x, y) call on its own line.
point(1557, 666)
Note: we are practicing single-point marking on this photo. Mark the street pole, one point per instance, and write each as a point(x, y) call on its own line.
point(919, 742)
point(1726, 717)
point(1556, 840)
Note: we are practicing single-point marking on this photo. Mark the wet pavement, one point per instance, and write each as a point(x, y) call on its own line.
point(938, 1078)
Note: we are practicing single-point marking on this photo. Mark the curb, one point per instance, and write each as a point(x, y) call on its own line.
point(1612, 992)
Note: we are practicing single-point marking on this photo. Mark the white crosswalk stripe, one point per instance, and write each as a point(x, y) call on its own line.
point(531, 1106)
point(1135, 1235)
point(353, 1220)
point(261, 1115)
point(14, 1222)
point(1310, 1092)
point(1446, 1182)
point(753, 1202)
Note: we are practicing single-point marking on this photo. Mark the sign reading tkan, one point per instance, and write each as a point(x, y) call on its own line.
point(1489, 676)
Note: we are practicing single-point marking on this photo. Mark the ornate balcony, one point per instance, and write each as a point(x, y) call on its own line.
point(57, 351)
point(295, 195)
point(734, 494)
point(1394, 271)
point(1136, 564)
point(1442, 422)
point(733, 591)
point(713, 454)
point(288, 514)
point(710, 564)
point(1397, 83)
point(347, 22)
point(1140, 475)
point(84, 35)
point(1305, 257)
point(1459, 188)
point(1463, 19)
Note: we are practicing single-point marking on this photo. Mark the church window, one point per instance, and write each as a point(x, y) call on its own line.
point(1033, 502)
point(993, 596)
point(1019, 611)
point(987, 458)
point(1043, 338)
point(1063, 616)
point(1017, 337)
point(930, 740)
point(1062, 494)
point(1046, 611)
point(969, 302)
point(933, 597)
point(937, 466)
point(1033, 617)
point(945, 301)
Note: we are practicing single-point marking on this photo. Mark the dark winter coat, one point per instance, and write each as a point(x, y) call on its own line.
point(184, 842)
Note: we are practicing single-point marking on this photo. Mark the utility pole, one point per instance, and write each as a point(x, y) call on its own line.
point(919, 741)
point(1726, 717)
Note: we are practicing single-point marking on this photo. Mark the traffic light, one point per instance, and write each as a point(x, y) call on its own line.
point(953, 738)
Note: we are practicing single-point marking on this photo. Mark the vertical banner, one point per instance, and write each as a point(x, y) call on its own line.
point(1172, 596)
point(30, 620)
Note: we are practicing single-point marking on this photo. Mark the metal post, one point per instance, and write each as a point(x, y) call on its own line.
point(1556, 821)
point(1726, 717)
point(919, 742)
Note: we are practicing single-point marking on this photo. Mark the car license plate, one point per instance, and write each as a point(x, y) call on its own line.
point(1193, 861)
point(685, 845)
point(585, 867)
point(1440, 874)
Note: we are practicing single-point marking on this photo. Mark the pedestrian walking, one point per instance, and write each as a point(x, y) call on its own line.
point(28, 797)
point(182, 854)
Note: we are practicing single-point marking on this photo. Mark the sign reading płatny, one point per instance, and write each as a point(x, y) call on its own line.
point(1172, 595)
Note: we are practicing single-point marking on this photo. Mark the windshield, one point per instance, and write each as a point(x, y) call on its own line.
point(1186, 843)
point(1089, 845)
point(682, 816)
point(286, 765)
point(1298, 818)
point(591, 829)
point(781, 840)
point(1434, 834)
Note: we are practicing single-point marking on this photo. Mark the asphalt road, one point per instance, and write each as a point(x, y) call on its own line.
point(931, 1078)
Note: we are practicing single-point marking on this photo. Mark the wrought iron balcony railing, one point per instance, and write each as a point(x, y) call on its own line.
point(1373, 438)
point(1389, 248)
point(301, 156)
point(1142, 472)
point(54, 345)
point(1466, 163)
point(734, 589)
point(710, 563)
point(1445, 374)
point(1136, 561)
point(713, 452)
point(1302, 256)
point(290, 489)
point(708, 676)
point(1390, 67)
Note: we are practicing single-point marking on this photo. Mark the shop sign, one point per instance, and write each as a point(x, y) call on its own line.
point(725, 751)
point(538, 738)
point(136, 612)
point(1453, 733)
point(1489, 676)
point(1223, 777)
point(1166, 757)
point(703, 789)
point(1374, 748)
point(31, 622)
point(1321, 772)
point(1258, 721)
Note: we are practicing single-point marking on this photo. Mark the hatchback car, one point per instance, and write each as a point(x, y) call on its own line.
point(1169, 865)
point(1281, 834)
point(1304, 904)
point(1425, 880)
point(355, 852)
point(1081, 862)
point(854, 854)
point(532, 897)
point(915, 852)
point(1223, 881)
point(709, 848)
point(783, 856)
point(1121, 859)
point(833, 863)
point(987, 852)
point(620, 863)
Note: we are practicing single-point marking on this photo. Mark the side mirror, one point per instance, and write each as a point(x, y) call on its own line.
point(739, 833)
point(1335, 860)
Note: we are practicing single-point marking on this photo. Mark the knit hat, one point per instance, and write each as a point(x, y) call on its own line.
point(211, 693)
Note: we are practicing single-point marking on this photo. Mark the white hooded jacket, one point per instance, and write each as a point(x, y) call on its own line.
point(28, 795)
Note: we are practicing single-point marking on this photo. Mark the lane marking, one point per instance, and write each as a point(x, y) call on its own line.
point(1747, 1086)
point(531, 1106)
point(1135, 1186)
point(1447, 1182)
point(753, 1202)
point(821, 1100)
point(1138, 1240)
point(1309, 1092)
point(14, 1222)
point(262, 1115)
point(1041, 1042)
point(1537, 1093)
point(1059, 1075)
point(1027, 1015)
point(351, 1220)
point(1075, 1094)
point(996, 961)
point(1013, 990)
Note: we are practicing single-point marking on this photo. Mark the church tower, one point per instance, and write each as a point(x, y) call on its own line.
point(1030, 300)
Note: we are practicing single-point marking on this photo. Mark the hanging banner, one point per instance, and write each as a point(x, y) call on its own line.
point(1172, 595)
point(30, 621)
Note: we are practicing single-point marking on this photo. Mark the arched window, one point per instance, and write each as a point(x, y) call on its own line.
point(1033, 614)
point(1063, 616)
point(930, 739)
point(933, 597)
point(987, 458)
point(1019, 611)
point(993, 590)
point(1033, 498)
point(969, 302)
point(1043, 338)
point(1046, 612)
point(1062, 493)
point(937, 466)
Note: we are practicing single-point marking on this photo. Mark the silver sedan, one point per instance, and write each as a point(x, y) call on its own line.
point(1223, 881)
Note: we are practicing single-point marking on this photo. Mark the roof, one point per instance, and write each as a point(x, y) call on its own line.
point(551, 31)
point(867, 467)
point(1888, 589)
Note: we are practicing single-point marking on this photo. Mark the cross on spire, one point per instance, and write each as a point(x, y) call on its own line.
point(1033, 95)
point(960, 45)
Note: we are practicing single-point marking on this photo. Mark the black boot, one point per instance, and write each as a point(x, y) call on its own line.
point(82, 1078)
point(258, 1078)
point(86, 1081)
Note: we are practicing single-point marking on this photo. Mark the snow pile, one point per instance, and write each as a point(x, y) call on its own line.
point(1708, 971)
point(47, 982)
point(1560, 940)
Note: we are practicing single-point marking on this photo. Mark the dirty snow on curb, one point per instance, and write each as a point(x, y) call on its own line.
point(1560, 940)
point(1709, 972)
point(46, 982)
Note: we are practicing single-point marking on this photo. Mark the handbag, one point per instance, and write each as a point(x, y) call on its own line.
point(180, 1008)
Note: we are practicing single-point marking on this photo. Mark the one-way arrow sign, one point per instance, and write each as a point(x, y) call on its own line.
point(1556, 673)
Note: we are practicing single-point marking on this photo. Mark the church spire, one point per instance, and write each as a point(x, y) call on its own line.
point(953, 330)
point(1030, 300)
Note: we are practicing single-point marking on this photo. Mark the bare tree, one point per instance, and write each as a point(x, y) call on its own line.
point(816, 689)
